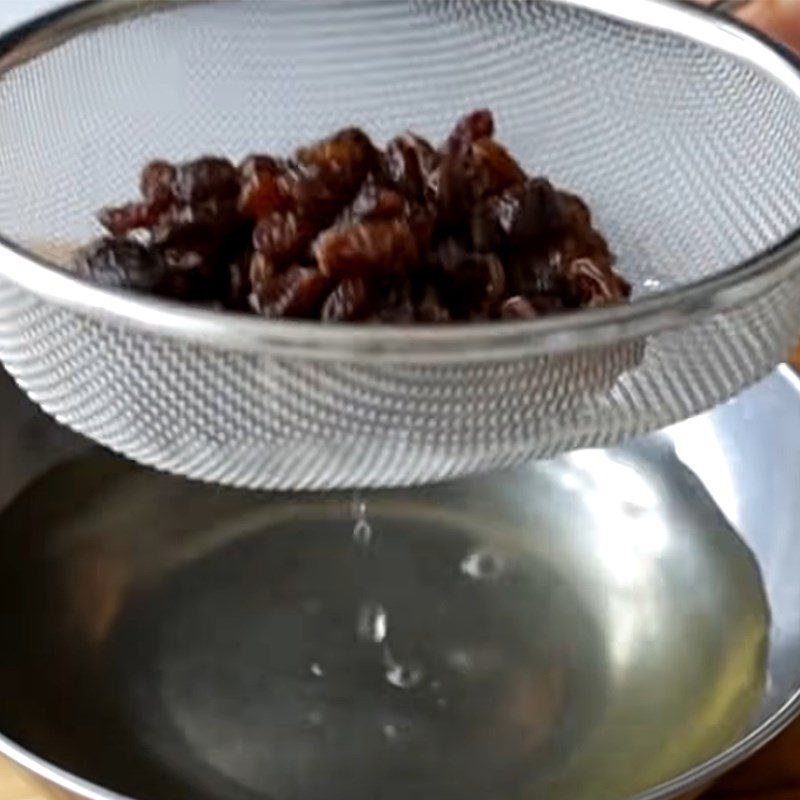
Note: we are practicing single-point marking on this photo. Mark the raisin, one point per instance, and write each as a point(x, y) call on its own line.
point(376, 202)
point(367, 249)
point(536, 272)
point(239, 287)
point(348, 302)
point(344, 160)
point(410, 164)
point(499, 170)
point(492, 221)
point(518, 308)
point(589, 285)
point(262, 271)
point(125, 219)
point(261, 193)
point(430, 308)
point(283, 238)
point(474, 126)
point(460, 188)
point(207, 178)
point(120, 264)
point(299, 293)
point(346, 232)
point(539, 216)
point(157, 180)
point(473, 284)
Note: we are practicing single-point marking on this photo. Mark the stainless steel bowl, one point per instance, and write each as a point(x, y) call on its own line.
point(591, 627)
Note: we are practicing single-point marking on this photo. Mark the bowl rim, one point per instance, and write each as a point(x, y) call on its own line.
point(697, 778)
point(457, 343)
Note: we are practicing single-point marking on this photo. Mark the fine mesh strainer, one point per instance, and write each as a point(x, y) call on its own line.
point(680, 129)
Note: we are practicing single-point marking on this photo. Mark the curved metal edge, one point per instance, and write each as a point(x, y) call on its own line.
point(423, 344)
point(706, 773)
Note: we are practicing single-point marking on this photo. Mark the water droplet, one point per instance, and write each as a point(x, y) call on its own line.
point(483, 565)
point(317, 671)
point(362, 533)
point(390, 732)
point(404, 676)
point(373, 623)
point(315, 719)
point(461, 661)
point(358, 506)
point(441, 702)
point(651, 284)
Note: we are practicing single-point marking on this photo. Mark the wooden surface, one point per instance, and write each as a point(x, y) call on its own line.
point(774, 774)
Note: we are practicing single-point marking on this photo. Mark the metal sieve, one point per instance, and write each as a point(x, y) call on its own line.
point(679, 127)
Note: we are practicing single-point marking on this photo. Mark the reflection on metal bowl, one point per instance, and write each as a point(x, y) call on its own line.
point(590, 627)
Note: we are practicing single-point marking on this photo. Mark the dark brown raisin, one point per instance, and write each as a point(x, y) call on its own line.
point(518, 308)
point(206, 178)
point(474, 126)
point(396, 306)
point(283, 238)
point(500, 171)
point(535, 272)
point(156, 182)
point(474, 284)
point(430, 308)
point(298, 293)
point(492, 220)
point(374, 201)
point(125, 219)
point(367, 249)
point(345, 159)
point(410, 164)
point(238, 285)
point(590, 285)
point(261, 192)
point(547, 302)
point(460, 189)
point(262, 272)
point(539, 218)
point(120, 264)
point(348, 302)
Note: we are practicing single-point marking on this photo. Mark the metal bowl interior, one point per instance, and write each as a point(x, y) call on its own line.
point(590, 627)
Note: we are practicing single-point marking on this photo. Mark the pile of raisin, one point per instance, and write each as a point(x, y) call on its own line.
point(344, 231)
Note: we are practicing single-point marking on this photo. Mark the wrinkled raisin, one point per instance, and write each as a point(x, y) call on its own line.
point(283, 238)
point(590, 285)
point(299, 292)
point(470, 128)
point(499, 171)
point(120, 264)
point(475, 284)
point(348, 302)
point(344, 160)
point(346, 232)
point(261, 192)
point(374, 202)
point(238, 284)
point(207, 178)
point(518, 308)
point(539, 218)
point(157, 180)
point(410, 163)
point(125, 219)
point(367, 249)
point(460, 189)
point(430, 308)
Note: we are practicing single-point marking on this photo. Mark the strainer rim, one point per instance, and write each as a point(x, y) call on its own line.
point(423, 343)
